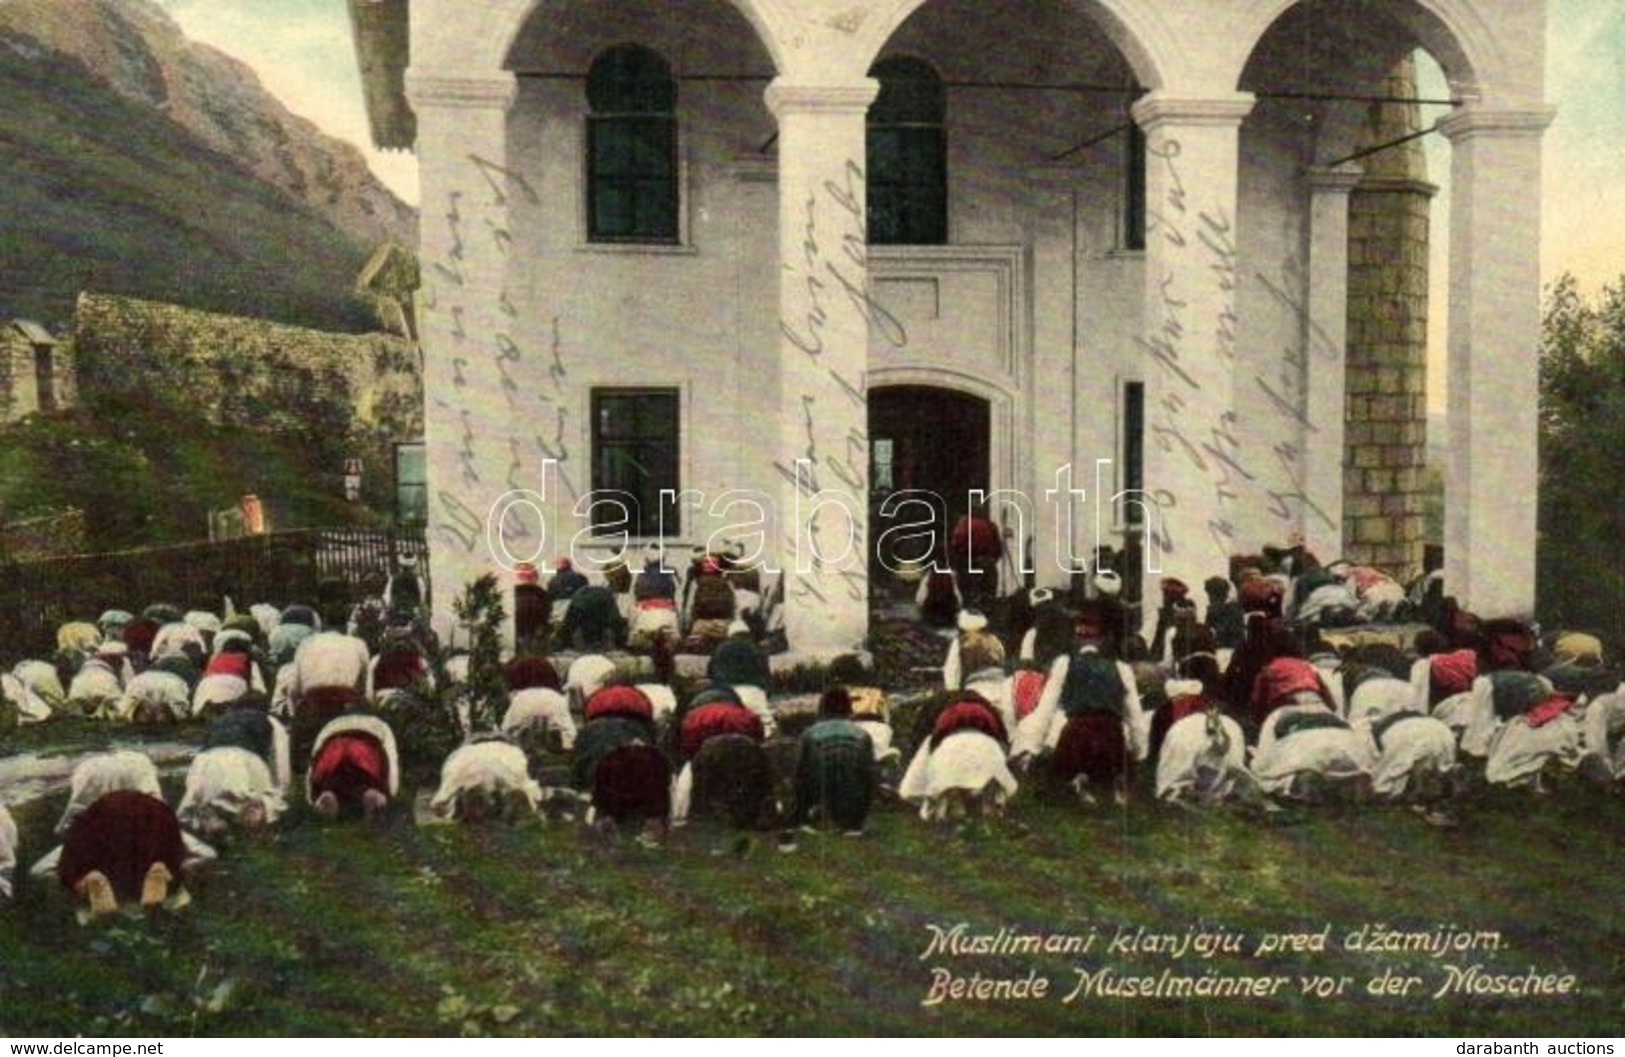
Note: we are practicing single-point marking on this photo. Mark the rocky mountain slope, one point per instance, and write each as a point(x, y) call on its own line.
point(136, 161)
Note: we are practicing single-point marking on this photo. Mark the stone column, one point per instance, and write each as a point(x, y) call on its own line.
point(1384, 486)
point(1194, 465)
point(1389, 234)
point(1494, 342)
point(1325, 347)
point(471, 354)
point(818, 440)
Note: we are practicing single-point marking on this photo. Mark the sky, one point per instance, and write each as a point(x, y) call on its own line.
point(303, 53)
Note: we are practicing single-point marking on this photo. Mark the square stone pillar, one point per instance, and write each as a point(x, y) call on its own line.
point(1195, 469)
point(817, 438)
point(1325, 365)
point(473, 355)
point(1494, 342)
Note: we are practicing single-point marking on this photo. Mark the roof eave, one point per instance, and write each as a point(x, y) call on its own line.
point(382, 34)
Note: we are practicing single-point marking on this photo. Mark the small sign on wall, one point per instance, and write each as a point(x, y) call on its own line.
point(253, 515)
point(352, 479)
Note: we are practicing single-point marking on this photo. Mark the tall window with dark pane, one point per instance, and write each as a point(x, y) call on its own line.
point(411, 484)
point(908, 155)
point(634, 458)
point(1133, 514)
point(631, 147)
point(1134, 188)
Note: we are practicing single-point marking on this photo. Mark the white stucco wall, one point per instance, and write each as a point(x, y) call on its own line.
point(700, 316)
point(1034, 303)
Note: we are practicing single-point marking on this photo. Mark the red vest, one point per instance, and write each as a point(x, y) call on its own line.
point(229, 663)
point(715, 719)
point(969, 715)
point(1280, 679)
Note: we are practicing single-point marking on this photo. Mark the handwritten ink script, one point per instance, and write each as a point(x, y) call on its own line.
point(1290, 500)
point(485, 350)
point(831, 270)
point(1198, 246)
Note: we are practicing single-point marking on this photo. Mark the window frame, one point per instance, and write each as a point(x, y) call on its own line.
point(655, 526)
point(401, 448)
point(1131, 450)
point(908, 129)
point(1131, 217)
point(594, 124)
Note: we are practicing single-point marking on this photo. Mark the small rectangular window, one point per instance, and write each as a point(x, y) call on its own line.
point(411, 484)
point(885, 465)
point(635, 445)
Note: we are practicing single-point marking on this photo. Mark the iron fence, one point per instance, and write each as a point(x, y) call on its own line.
point(329, 568)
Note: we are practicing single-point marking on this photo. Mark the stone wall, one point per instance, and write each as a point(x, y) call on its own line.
point(16, 366)
point(363, 389)
point(1384, 471)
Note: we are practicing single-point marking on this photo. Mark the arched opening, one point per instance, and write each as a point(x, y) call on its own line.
point(1040, 84)
point(1351, 288)
point(1034, 299)
point(629, 114)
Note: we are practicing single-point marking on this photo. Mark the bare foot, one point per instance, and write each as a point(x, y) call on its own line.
point(252, 816)
point(374, 805)
point(155, 887)
point(98, 893)
point(327, 805)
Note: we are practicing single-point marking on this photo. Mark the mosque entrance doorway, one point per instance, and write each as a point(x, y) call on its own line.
point(928, 451)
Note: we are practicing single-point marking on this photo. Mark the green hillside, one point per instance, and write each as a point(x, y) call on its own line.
point(142, 481)
point(102, 193)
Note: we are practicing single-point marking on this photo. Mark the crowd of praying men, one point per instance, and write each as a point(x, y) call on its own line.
point(1244, 701)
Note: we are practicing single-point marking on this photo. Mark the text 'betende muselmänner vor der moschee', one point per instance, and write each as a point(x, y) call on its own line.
point(967, 964)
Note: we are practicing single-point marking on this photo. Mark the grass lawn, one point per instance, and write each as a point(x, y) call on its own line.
point(537, 929)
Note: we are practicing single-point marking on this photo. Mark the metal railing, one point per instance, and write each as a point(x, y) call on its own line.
point(328, 568)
